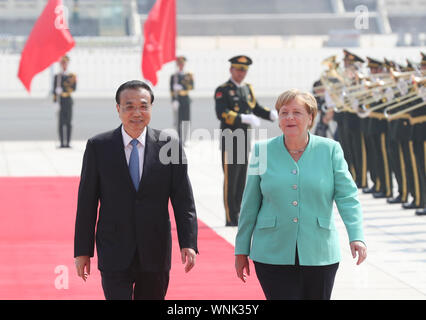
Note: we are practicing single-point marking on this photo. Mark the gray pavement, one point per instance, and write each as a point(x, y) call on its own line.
point(396, 238)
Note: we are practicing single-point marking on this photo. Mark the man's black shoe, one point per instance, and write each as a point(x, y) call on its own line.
point(421, 212)
point(411, 205)
point(368, 190)
point(379, 195)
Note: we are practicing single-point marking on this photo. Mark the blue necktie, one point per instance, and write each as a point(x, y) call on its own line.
point(134, 163)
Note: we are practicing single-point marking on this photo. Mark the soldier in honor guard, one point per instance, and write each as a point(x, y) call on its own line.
point(237, 110)
point(405, 160)
point(420, 146)
point(64, 84)
point(181, 83)
point(406, 119)
point(354, 126)
point(399, 132)
point(323, 127)
point(379, 139)
point(418, 121)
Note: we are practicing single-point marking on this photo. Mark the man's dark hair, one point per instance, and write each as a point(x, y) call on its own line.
point(133, 84)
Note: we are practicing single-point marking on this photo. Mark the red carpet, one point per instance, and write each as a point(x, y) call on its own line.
point(36, 250)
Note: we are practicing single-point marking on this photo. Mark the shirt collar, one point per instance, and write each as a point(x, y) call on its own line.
point(127, 139)
point(238, 85)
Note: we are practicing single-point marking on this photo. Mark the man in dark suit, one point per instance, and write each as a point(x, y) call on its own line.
point(132, 172)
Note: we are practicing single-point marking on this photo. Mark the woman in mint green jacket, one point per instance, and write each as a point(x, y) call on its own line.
point(286, 222)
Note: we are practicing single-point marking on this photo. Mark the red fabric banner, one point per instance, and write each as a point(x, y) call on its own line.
point(160, 38)
point(49, 40)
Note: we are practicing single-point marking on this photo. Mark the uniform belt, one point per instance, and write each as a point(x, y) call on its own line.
point(65, 94)
point(350, 110)
point(401, 116)
point(377, 115)
point(183, 92)
point(415, 120)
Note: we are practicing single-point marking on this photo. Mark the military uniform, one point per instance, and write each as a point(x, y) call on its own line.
point(353, 133)
point(180, 85)
point(407, 131)
point(403, 141)
point(232, 102)
point(321, 129)
point(419, 121)
point(400, 131)
point(64, 84)
point(418, 151)
point(379, 144)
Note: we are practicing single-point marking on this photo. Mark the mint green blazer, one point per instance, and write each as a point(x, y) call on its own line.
point(287, 203)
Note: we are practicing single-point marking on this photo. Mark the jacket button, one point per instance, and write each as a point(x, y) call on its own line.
point(294, 171)
point(294, 186)
point(295, 220)
point(294, 203)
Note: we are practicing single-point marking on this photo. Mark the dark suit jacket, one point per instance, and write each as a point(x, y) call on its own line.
point(131, 220)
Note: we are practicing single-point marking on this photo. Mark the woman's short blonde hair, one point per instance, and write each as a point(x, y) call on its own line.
point(306, 98)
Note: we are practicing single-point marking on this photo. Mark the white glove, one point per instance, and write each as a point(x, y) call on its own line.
point(55, 108)
point(177, 87)
point(175, 105)
point(250, 119)
point(273, 115)
point(58, 90)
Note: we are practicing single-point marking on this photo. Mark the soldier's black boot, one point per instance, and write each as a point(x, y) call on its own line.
point(397, 199)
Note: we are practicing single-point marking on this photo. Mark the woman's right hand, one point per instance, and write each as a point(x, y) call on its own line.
point(241, 263)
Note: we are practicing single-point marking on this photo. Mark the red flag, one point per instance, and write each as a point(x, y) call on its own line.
point(49, 40)
point(160, 38)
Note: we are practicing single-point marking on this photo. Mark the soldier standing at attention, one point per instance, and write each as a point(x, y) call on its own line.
point(64, 84)
point(355, 127)
point(180, 84)
point(237, 110)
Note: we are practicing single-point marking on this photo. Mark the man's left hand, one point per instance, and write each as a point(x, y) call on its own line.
point(188, 255)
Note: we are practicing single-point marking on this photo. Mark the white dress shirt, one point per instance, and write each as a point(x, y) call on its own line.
point(128, 147)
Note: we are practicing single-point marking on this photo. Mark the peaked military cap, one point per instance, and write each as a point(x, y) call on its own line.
point(410, 66)
point(352, 57)
point(329, 60)
point(65, 58)
point(389, 64)
point(240, 62)
point(180, 59)
point(373, 63)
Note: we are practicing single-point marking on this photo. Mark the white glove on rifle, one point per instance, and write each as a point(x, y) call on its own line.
point(250, 119)
point(177, 87)
point(175, 105)
point(273, 115)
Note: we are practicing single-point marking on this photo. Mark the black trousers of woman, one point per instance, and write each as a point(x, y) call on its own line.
point(296, 282)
